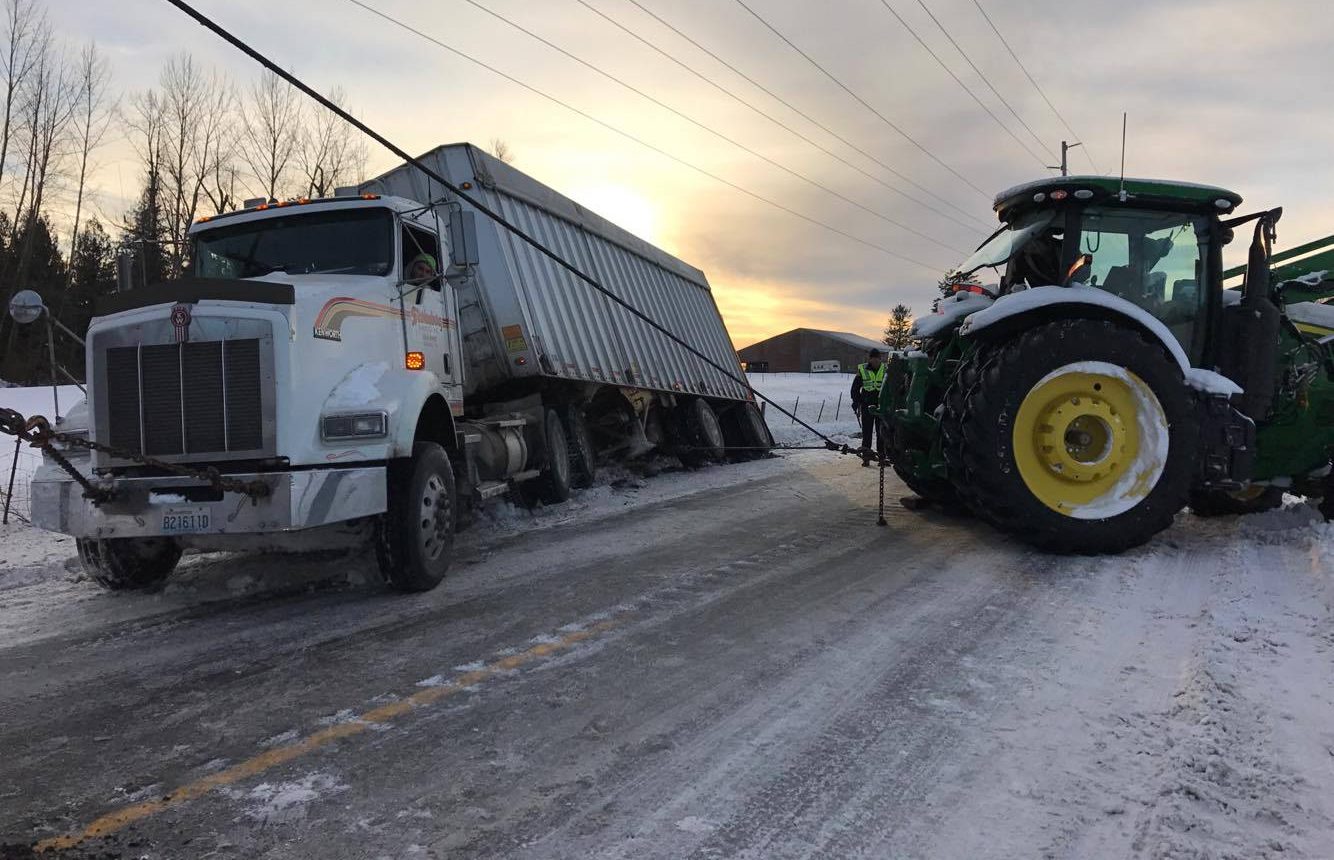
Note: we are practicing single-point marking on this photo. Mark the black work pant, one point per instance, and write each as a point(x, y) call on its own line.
point(871, 426)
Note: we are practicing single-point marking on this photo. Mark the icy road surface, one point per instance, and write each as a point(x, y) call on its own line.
point(731, 663)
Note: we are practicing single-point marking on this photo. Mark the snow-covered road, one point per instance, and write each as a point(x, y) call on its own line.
point(731, 662)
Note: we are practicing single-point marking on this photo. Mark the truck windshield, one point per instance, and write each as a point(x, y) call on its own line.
point(340, 242)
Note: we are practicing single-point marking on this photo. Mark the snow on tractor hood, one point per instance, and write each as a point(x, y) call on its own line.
point(1014, 304)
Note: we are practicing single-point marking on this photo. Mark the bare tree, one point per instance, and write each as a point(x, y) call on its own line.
point(92, 118)
point(271, 132)
point(48, 116)
point(500, 149)
point(332, 152)
point(183, 86)
point(217, 147)
point(24, 33)
point(145, 122)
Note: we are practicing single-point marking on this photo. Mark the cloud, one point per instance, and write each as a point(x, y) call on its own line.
point(1223, 91)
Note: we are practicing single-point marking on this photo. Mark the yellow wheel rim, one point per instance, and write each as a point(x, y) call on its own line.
point(1090, 440)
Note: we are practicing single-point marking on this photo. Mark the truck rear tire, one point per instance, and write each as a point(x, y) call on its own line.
point(1078, 436)
point(702, 433)
point(583, 457)
point(752, 431)
point(553, 487)
point(1252, 500)
point(124, 564)
point(414, 538)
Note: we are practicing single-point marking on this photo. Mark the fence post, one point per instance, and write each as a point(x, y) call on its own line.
point(821, 415)
point(839, 407)
point(13, 467)
point(794, 411)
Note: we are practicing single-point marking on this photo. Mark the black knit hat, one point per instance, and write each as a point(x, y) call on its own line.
point(874, 353)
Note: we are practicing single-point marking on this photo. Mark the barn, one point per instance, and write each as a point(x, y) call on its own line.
point(804, 350)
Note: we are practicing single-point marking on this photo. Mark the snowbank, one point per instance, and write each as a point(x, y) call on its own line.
point(28, 402)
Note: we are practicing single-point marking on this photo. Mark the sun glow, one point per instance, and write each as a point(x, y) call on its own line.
point(622, 206)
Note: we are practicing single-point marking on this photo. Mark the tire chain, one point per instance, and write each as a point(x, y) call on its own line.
point(37, 432)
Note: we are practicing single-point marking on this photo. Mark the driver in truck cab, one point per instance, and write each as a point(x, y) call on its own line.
point(422, 270)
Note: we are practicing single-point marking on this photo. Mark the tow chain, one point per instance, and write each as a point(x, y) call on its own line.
point(37, 432)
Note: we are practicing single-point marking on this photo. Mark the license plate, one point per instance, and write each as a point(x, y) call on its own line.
point(185, 520)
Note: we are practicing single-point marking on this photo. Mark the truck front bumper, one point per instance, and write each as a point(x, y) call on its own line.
point(150, 507)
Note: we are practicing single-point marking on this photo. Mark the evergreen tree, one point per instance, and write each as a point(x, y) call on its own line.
point(92, 274)
point(898, 330)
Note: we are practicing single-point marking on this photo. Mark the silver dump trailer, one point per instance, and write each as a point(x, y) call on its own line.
point(523, 316)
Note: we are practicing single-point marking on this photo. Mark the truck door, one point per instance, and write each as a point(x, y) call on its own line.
point(429, 316)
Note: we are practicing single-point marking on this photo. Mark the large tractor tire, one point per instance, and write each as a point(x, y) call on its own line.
point(701, 433)
point(414, 538)
point(1252, 500)
point(579, 441)
point(1077, 436)
point(124, 564)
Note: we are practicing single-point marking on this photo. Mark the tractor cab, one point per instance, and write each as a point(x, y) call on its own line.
point(1155, 244)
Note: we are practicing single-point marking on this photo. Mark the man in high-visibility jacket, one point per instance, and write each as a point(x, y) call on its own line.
point(866, 385)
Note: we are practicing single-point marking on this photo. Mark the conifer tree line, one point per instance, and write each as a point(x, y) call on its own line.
point(201, 144)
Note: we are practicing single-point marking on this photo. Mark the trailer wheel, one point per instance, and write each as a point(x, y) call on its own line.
point(554, 485)
point(414, 538)
point(1252, 500)
point(752, 431)
point(583, 457)
point(123, 564)
point(703, 434)
point(1079, 436)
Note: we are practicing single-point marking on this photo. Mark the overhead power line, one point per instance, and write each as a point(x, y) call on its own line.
point(863, 102)
point(487, 211)
point(932, 51)
point(1024, 69)
point(635, 139)
point(709, 129)
point(985, 79)
point(815, 122)
point(775, 120)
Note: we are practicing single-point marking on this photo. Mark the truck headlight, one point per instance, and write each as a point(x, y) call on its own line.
point(366, 425)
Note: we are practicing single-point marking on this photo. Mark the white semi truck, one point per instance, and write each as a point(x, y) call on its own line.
point(367, 367)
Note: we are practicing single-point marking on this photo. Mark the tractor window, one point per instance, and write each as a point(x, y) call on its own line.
point(1156, 260)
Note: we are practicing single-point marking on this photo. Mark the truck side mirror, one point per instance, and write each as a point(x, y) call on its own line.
point(463, 239)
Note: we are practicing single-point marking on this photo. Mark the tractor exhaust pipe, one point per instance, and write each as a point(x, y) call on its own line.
point(1255, 326)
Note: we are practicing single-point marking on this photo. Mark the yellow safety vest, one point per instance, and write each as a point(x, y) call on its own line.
point(872, 380)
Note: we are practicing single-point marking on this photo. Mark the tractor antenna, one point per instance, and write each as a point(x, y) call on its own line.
point(1122, 195)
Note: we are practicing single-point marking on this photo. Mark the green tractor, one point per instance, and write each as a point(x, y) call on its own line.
point(1107, 379)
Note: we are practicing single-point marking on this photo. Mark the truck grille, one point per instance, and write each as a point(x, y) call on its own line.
point(185, 398)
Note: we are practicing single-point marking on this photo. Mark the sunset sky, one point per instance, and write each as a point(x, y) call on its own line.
point(1225, 92)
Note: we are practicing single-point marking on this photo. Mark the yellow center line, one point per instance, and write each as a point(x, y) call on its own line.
point(121, 818)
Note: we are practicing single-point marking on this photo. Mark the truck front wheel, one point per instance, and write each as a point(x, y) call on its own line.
point(122, 564)
point(415, 536)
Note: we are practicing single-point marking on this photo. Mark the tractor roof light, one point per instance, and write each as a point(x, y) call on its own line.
point(1083, 194)
point(1060, 194)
